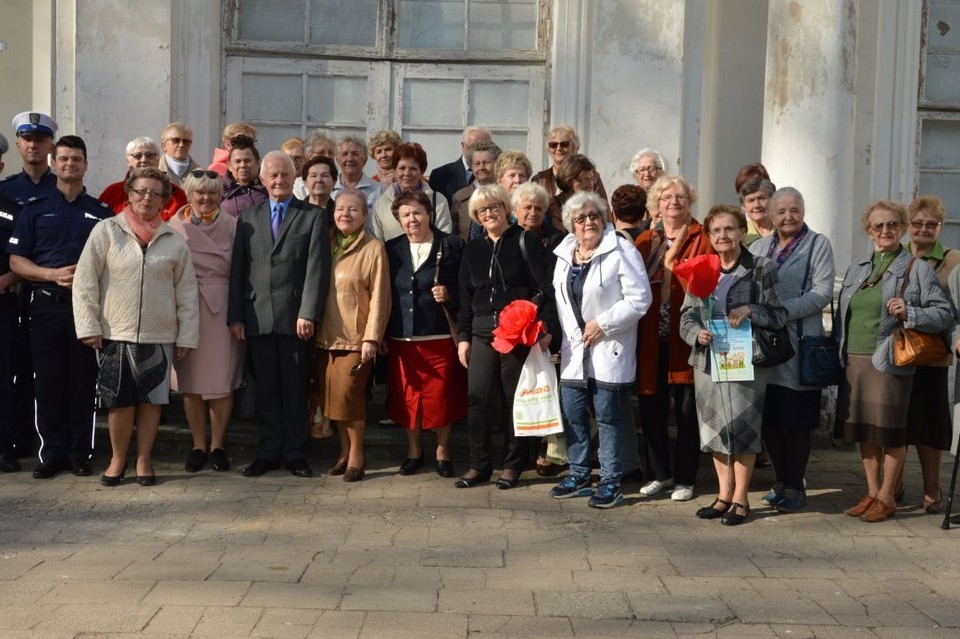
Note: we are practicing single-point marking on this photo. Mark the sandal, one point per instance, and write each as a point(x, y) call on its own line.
point(711, 511)
point(731, 518)
point(932, 506)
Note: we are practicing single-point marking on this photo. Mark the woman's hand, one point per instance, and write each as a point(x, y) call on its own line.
point(440, 294)
point(368, 351)
point(704, 337)
point(96, 342)
point(672, 253)
point(545, 341)
point(463, 352)
point(181, 352)
point(592, 333)
point(304, 328)
point(897, 307)
point(737, 315)
point(238, 331)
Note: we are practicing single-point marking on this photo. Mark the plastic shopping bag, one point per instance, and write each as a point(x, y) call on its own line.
point(536, 404)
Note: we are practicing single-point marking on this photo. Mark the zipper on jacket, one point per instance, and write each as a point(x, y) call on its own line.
point(143, 263)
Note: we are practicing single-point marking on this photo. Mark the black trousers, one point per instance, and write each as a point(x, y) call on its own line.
point(491, 372)
point(281, 368)
point(9, 325)
point(653, 419)
point(64, 381)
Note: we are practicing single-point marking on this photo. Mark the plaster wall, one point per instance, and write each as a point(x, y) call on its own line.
point(16, 70)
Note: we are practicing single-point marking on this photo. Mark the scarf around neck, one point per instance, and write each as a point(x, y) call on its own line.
point(143, 229)
point(343, 242)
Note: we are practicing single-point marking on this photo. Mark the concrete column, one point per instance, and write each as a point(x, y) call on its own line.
point(808, 114)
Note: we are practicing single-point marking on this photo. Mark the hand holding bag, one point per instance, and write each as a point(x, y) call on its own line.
point(915, 348)
point(819, 355)
point(536, 402)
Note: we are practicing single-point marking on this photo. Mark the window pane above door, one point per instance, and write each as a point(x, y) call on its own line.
point(347, 22)
point(337, 99)
point(272, 97)
point(270, 20)
point(494, 24)
point(430, 24)
point(433, 102)
point(502, 103)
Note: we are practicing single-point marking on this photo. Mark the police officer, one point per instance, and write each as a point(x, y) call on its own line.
point(9, 210)
point(35, 133)
point(44, 249)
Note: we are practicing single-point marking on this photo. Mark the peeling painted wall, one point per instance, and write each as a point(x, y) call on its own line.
point(16, 66)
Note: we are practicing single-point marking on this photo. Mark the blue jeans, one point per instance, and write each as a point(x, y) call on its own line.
point(607, 405)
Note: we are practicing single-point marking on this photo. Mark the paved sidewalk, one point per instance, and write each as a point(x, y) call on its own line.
point(222, 555)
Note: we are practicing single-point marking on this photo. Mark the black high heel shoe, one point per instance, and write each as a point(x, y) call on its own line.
point(411, 465)
point(469, 482)
point(115, 480)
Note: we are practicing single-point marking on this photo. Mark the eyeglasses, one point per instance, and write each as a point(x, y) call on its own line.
point(648, 169)
point(140, 156)
point(726, 230)
point(562, 144)
point(179, 141)
point(147, 193)
point(674, 198)
point(490, 208)
point(919, 225)
point(199, 173)
point(587, 217)
point(890, 226)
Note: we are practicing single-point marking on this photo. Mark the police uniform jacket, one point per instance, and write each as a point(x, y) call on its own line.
point(20, 188)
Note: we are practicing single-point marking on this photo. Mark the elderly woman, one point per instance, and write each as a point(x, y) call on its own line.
point(603, 294)
point(427, 384)
point(409, 163)
point(511, 170)
point(319, 143)
point(629, 206)
point(562, 142)
point(242, 187)
point(208, 376)
point(664, 373)
point(295, 149)
point(754, 200)
point(730, 412)
point(928, 418)
point(879, 292)
point(576, 173)
point(646, 166)
point(803, 260)
point(141, 153)
point(320, 174)
point(221, 157)
point(530, 201)
point(495, 271)
point(381, 147)
point(354, 321)
point(481, 158)
point(176, 139)
point(135, 302)
point(746, 173)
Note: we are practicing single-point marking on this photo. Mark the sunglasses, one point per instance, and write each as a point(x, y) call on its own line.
point(563, 144)
point(140, 156)
point(919, 225)
point(178, 141)
point(199, 173)
point(890, 226)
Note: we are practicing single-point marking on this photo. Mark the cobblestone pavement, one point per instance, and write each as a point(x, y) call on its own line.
point(219, 554)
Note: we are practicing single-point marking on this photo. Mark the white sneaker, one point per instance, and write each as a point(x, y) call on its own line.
point(652, 488)
point(682, 493)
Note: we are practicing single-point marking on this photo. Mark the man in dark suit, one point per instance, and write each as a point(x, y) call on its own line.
point(450, 178)
point(278, 287)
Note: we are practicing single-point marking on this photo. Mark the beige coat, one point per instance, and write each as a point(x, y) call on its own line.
point(124, 293)
point(358, 302)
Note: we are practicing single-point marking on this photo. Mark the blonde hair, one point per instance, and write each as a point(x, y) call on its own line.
point(884, 205)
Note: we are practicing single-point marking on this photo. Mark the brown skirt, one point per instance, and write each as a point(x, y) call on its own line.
point(928, 422)
point(872, 406)
point(342, 394)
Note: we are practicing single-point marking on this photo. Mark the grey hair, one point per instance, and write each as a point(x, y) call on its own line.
point(136, 143)
point(530, 191)
point(355, 193)
point(788, 191)
point(192, 184)
point(280, 156)
point(353, 139)
point(175, 126)
point(484, 147)
point(569, 129)
point(577, 202)
point(476, 128)
point(756, 184)
point(644, 152)
point(316, 136)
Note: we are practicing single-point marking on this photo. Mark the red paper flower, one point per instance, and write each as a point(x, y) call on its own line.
point(518, 325)
point(701, 274)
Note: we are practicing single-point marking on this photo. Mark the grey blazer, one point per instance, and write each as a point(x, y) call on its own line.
point(804, 300)
point(756, 286)
point(928, 308)
point(274, 284)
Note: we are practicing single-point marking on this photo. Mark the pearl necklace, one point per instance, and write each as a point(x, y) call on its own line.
point(584, 257)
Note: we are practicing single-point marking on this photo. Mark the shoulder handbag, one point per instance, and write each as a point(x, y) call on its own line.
point(915, 348)
point(819, 355)
point(538, 296)
point(451, 322)
point(771, 346)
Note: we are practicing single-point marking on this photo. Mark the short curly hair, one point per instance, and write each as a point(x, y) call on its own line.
point(151, 173)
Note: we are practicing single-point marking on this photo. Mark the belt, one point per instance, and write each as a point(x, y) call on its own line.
point(49, 295)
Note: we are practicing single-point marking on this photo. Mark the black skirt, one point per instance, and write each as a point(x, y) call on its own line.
point(133, 374)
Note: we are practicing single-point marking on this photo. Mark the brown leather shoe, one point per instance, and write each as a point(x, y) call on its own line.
point(863, 506)
point(879, 511)
point(354, 474)
point(338, 469)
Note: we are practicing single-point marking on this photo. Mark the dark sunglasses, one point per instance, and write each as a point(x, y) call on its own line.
point(199, 173)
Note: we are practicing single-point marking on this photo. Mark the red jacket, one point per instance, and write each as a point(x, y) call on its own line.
point(116, 199)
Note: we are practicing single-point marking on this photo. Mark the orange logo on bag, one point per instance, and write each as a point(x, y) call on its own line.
point(539, 390)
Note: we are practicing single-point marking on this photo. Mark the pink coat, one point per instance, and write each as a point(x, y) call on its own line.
point(215, 368)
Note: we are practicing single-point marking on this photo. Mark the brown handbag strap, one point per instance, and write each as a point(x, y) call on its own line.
point(906, 275)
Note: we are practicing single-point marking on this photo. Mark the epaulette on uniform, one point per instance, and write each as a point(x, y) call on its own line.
point(8, 178)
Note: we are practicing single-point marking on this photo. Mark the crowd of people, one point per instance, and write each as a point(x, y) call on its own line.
point(293, 272)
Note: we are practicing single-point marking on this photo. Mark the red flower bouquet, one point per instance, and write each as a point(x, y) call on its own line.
point(518, 325)
point(700, 273)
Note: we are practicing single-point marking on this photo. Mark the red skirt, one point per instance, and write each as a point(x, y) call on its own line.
point(426, 378)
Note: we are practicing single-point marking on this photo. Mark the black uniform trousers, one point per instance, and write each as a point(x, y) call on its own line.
point(281, 367)
point(491, 372)
point(64, 379)
point(9, 325)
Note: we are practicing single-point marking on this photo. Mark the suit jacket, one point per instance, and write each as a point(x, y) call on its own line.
point(449, 178)
point(274, 284)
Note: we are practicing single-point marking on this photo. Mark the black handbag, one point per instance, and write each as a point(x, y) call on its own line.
point(771, 346)
point(819, 355)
